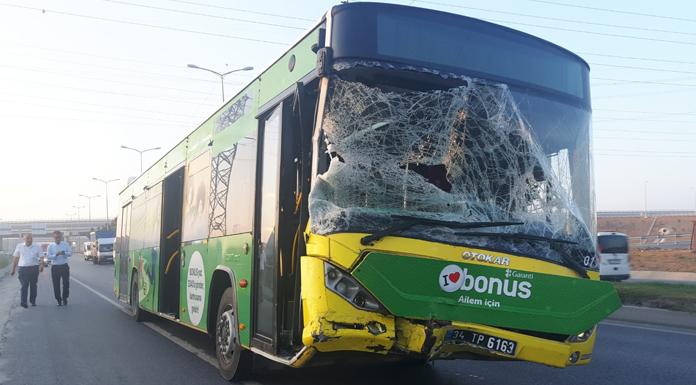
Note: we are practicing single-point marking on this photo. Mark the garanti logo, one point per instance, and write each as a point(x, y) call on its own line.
point(453, 278)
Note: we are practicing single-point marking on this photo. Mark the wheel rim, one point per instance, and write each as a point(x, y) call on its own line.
point(227, 344)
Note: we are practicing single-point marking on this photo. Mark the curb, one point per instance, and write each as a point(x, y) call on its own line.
point(653, 316)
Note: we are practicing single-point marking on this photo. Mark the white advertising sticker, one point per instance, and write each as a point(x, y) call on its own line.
point(195, 288)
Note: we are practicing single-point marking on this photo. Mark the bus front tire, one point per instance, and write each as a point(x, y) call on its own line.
point(137, 313)
point(234, 362)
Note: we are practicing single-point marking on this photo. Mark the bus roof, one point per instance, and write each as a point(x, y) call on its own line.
point(371, 7)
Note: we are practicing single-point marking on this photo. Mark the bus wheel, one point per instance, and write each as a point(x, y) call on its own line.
point(234, 362)
point(137, 313)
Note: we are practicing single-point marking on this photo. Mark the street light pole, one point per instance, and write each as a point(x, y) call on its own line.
point(221, 75)
point(106, 191)
point(89, 204)
point(645, 199)
point(141, 153)
point(78, 211)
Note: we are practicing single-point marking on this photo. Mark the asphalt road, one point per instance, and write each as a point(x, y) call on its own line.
point(94, 342)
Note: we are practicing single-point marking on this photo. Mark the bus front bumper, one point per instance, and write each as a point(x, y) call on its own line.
point(331, 324)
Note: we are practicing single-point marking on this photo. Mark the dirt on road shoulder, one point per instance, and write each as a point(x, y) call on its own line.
point(663, 260)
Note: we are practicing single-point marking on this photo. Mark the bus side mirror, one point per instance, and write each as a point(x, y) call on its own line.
point(324, 61)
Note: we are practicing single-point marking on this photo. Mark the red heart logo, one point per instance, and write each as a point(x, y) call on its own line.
point(454, 277)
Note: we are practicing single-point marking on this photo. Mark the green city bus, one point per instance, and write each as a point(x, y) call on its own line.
point(401, 184)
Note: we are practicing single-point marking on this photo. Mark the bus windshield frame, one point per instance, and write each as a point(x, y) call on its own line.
point(455, 44)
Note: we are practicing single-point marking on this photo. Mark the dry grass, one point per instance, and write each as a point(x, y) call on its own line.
point(663, 260)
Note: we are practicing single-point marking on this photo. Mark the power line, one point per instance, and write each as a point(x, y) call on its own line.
point(42, 70)
point(637, 58)
point(591, 32)
point(646, 112)
point(81, 102)
point(688, 140)
point(638, 131)
point(643, 120)
point(644, 68)
point(614, 10)
point(89, 54)
point(103, 122)
point(583, 22)
point(203, 14)
point(623, 81)
point(187, 101)
point(153, 26)
point(102, 112)
point(137, 71)
point(241, 10)
point(618, 151)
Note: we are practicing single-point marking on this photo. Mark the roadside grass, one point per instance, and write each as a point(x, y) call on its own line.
point(658, 295)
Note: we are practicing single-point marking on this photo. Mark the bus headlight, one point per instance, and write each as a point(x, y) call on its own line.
point(582, 337)
point(349, 289)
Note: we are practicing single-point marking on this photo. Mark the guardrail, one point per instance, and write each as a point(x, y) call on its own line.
point(670, 241)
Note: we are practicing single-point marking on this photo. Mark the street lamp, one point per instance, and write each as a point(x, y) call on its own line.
point(221, 75)
point(106, 190)
point(141, 153)
point(78, 211)
point(89, 204)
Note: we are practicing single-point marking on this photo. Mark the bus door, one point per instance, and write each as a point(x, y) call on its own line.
point(170, 243)
point(123, 253)
point(266, 235)
point(276, 306)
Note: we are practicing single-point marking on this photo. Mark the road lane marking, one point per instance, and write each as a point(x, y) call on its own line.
point(178, 341)
point(100, 295)
point(654, 329)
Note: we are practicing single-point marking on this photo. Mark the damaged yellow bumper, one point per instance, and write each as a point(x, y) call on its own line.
point(331, 324)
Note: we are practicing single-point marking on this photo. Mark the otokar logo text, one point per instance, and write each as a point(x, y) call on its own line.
point(453, 278)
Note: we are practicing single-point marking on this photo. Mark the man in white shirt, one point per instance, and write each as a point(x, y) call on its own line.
point(58, 253)
point(27, 256)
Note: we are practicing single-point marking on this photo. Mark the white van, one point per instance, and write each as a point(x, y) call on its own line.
point(87, 250)
point(614, 262)
point(105, 250)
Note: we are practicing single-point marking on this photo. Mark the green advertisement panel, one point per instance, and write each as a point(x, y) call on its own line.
point(148, 268)
point(424, 288)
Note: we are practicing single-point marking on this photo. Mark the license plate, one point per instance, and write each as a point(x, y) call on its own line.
point(500, 345)
point(614, 261)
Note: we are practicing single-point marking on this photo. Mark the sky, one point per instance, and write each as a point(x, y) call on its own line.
point(80, 78)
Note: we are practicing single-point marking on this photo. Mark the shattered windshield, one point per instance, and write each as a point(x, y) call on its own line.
point(477, 152)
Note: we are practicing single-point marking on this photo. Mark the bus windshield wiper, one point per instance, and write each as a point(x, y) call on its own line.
point(568, 261)
point(405, 222)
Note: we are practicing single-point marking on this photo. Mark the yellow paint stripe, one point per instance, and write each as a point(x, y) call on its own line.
point(169, 263)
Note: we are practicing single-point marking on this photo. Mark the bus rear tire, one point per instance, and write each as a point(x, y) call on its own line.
point(234, 362)
point(137, 313)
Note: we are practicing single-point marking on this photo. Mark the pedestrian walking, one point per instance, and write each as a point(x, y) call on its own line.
point(58, 254)
point(27, 257)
